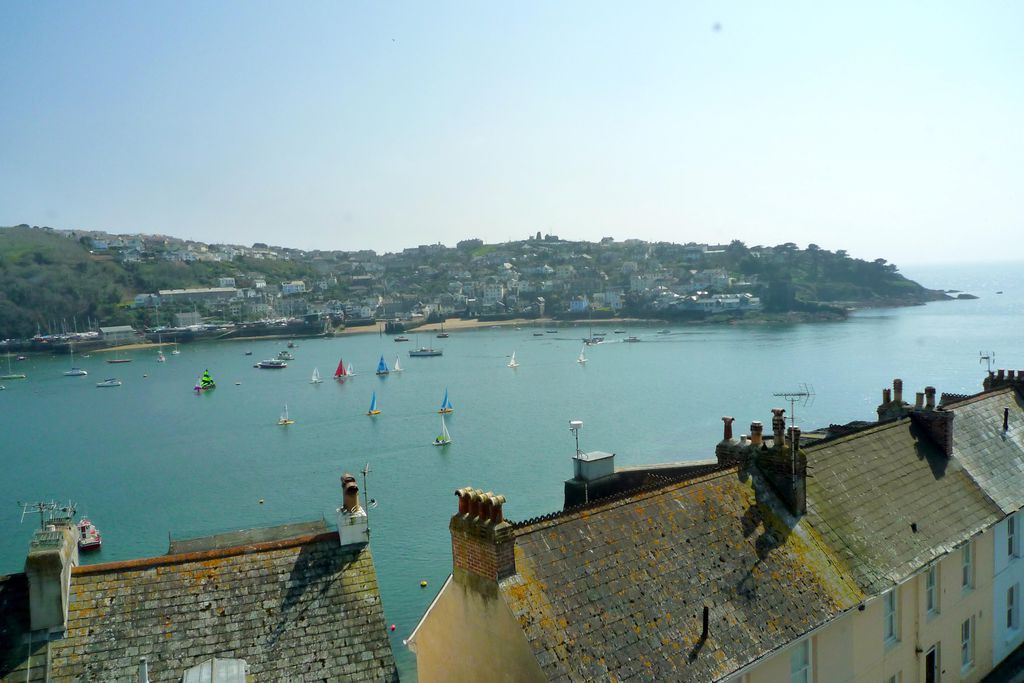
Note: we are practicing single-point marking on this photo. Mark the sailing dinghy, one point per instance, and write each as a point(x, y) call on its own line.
point(340, 373)
point(443, 439)
point(285, 420)
point(382, 367)
point(512, 363)
point(582, 360)
point(446, 405)
point(373, 406)
point(315, 379)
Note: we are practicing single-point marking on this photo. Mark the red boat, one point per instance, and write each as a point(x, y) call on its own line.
point(89, 538)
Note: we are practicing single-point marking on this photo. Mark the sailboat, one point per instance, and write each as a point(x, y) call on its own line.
point(351, 371)
point(446, 405)
point(160, 357)
point(444, 438)
point(74, 372)
point(512, 363)
point(117, 358)
point(373, 406)
point(11, 374)
point(340, 373)
point(285, 420)
point(382, 367)
point(397, 368)
point(175, 351)
point(442, 334)
point(205, 383)
point(582, 360)
point(315, 379)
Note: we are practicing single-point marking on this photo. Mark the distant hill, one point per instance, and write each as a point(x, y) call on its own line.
point(55, 280)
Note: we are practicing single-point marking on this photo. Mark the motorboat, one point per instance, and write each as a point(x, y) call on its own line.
point(401, 338)
point(88, 535)
point(285, 355)
point(271, 364)
point(109, 382)
point(425, 351)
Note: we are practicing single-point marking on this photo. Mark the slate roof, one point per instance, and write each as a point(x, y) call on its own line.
point(616, 590)
point(298, 609)
point(994, 458)
point(867, 492)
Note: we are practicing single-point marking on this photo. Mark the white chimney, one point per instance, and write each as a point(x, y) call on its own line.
point(352, 522)
point(52, 553)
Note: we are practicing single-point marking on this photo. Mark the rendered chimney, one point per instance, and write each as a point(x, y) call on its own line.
point(52, 553)
point(919, 401)
point(756, 429)
point(483, 547)
point(897, 390)
point(778, 426)
point(353, 525)
point(727, 433)
point(929, 393)
point(886, 397)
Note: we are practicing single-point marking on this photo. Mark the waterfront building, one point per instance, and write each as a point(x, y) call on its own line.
point(118, 334)
point(297, 602)
point(199, 295)
point(874, 551)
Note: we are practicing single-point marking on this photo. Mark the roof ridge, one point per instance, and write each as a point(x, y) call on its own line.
point(705, 473)
point(246, 549)
point(981, 395)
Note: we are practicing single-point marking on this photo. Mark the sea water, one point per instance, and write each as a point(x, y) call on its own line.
point(151, 459)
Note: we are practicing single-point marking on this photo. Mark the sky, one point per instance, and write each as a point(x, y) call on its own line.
point(890, 130)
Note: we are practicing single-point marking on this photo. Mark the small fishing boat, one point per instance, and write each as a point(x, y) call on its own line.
point(397, 368)
point(315, 379)
point(631, 340)
point(248, 353)
point(444, 438)
point(291, 345)
point(88, 535)
point(446, 405)
point(382, 367)
point(205, 383)
point(285, 355)
point(373, 406)
point(538, 334)
point(271, 364)
point(109, 382)
point(340, 373)
point(512, 363)
point(582, 359)
point(285, 420)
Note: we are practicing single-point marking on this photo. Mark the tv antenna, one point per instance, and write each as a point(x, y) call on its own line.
point(805, 397)
point(42, 507)
point(989, 358)
point(370, 503)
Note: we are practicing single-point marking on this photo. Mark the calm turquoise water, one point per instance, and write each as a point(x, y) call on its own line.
point(151, 458)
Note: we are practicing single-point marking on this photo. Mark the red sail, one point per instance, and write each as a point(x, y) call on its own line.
point(340, 372)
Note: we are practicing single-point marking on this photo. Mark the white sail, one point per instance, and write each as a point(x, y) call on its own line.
point(444, 438)
point(512, 363)
point(397, 368)
point(316, 377)
point(583, 356)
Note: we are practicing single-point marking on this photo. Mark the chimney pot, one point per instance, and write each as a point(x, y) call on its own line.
point(756, 429)
point(897, 390)
point(350, 493)
point(727, 433)
point(886, 397)
point(778, 425)
point(919, 400)
point(794, 435)
point(463, 500)
point(929, 393)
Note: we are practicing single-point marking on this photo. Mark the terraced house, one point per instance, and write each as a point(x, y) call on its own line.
point(884, 551)
point(291, 603)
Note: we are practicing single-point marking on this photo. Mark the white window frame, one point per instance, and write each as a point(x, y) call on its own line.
point(967, 644)
point(1012, 611)
point(1011, 537)
point(891, 616)
point(800, 670)
point(931, 590)
point(967, 566)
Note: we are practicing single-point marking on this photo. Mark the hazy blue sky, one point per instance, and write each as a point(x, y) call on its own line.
point(892, 130)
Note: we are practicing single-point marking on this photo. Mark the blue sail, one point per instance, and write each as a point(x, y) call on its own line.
point(373, 402)
point(382, 367)
point(444, 401)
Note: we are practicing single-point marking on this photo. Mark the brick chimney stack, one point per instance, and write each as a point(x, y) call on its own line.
point(1004, 378)
point(919, 400)
point(483, 547)
point(52, 554)
point(778, 426)
point(756, 431)
point(886, 396)
point(353, 526)
point(727, 433)
point(937, 422)
point(897, 390)
point(929, 393)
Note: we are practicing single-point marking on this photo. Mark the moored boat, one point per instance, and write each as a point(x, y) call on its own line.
point(109, 382)
point(89, 536)
point(425, 351)
point(285, 355)
point(271, 364)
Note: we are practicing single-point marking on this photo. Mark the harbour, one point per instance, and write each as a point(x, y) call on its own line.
point(151, 459)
